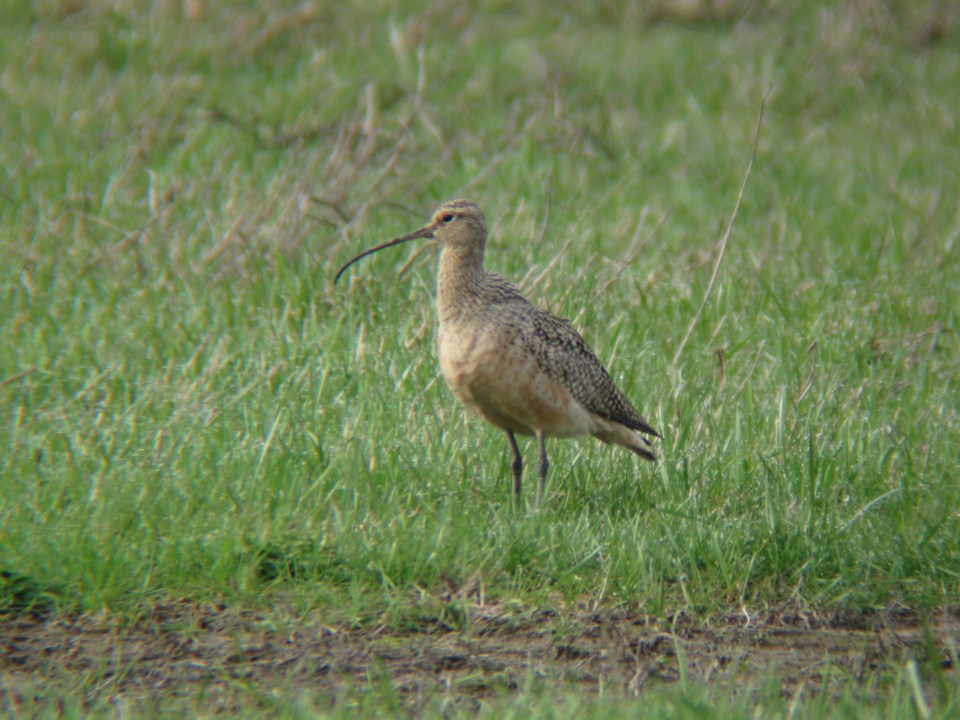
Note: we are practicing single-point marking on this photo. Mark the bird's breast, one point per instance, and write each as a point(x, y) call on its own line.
point(491, 371)
point(467, 354)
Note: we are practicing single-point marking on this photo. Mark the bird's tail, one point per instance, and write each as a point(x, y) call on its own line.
point(643, 452)
point(614, 432)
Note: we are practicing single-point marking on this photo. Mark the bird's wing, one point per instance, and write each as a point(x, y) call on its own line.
point(564, 355)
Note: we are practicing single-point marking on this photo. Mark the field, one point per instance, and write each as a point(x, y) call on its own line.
point(229, 486)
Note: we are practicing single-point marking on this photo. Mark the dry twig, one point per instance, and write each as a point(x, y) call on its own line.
point(726, 235)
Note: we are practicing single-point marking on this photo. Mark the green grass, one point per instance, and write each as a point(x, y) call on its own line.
point(191, 408)
point(902, 698)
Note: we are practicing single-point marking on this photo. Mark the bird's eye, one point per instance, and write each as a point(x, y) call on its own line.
point(448, 218)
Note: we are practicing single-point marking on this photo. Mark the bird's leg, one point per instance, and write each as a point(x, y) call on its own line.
point(517, 466)
point(544, 465)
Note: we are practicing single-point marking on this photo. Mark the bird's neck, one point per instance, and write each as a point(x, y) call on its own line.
point(460, 280)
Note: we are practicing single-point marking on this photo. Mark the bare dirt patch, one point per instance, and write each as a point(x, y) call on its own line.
point(221, 656)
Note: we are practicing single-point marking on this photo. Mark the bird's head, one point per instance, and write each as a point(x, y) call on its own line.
point(457, 224)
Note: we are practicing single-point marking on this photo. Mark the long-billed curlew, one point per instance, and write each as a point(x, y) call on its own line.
point(521, 368)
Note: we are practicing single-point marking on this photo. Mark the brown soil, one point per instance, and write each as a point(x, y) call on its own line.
point(223, 657)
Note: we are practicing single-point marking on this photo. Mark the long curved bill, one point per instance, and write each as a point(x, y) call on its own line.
point(424, 232)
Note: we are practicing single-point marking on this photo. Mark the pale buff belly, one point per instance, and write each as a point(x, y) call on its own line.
point(498, 379)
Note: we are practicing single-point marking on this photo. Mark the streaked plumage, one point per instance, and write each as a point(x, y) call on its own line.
point(518, 366)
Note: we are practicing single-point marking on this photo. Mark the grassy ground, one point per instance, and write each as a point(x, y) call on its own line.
point(191, 409)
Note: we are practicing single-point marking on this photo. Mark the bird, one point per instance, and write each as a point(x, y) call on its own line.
point(518, 366)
